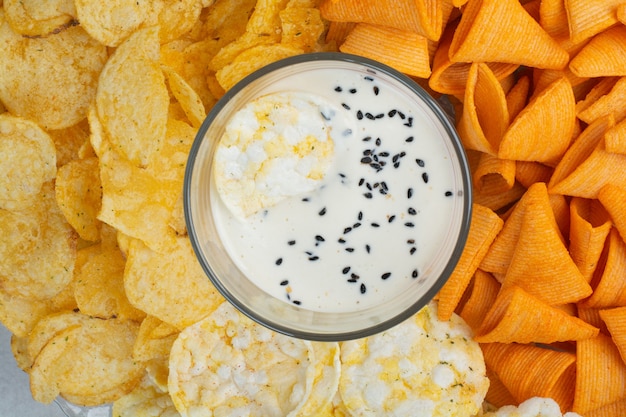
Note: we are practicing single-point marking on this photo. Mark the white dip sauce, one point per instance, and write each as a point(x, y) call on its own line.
point(335, 195)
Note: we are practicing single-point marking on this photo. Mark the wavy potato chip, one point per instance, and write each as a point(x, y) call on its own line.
point(34, 18)
point(27, 84)
point(29, 161)
point(226, 364)
point(133, 110)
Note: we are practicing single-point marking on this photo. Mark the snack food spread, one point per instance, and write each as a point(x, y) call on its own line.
point(100, 103)
point(336, 198)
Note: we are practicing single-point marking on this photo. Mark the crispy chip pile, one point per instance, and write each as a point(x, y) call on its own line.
point(100, 103)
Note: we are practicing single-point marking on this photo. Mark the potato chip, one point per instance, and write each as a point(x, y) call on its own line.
point(19, 315)
point(175, 18)
point(102, 346)
point(588, 18)
point(251, 60)
point(78, 194)
point(20, 352)
point(33, 18)
point(518, 317)
point(146, 400)
point(52, 99)
point(589, 227)
point(423, 17)
point(490, 30)
point(170, 286)
point(603, 56)
point(111, 25)
point(484, 226)
point(326, 380)
point(133, 110)
point(485, 115)
point(421, 366)
point(529, 371)
point(226, 364)
point(404, 51)
point(38, 250)
point(534, 135)
point(49, 327)
point(600, 374)
point(302, 27)
point(29, 161)
point(154, 340)
point(70, 142)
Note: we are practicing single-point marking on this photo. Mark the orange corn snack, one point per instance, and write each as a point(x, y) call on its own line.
point(517, 97)
point(600, 89)
point(589, 17)
point(553, 19)
point(617, 408)
point(484, 226)
point(528, 371)
point(614, 102)
point(498, 201)
point(494, 175)
point(587, 166)
point(608, 281)
point(589, 227)
point(535, 135)
point(603, 56)
point(423, 17)
point(615, 138)
point(338, 31)
point(600, 374)
point(527, 172)
point(518, 317)
point(498, 394)
point(451, 77)
point(491, 30)
point(405, 51)
point(485, 113)
point(592, 317)
point(615, 320)
point(482, 295)
point(612, 198)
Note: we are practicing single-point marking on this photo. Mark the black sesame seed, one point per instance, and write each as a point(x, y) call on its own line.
point(347, 230)
point(326, 117)
point(338, 89)
point(345, 106)
point(366, 160)
point(425, 177)
point(378, 142)
point(409, 122)
point(376, 90)
point(297, 302)
point(395, 157)
point(383, 185)
point(396, 165)
point(322, 211)
point(392, 218)
point(351, 280)
point(350, 250)
point(305, 199)
point(376, 166)
point(369, 186)
point(360, 215)
point(379, 116)
point(284, 282)
point(367, 152)
point(383, 154)
point(375, 225)
point(319, 238)
point(386, 275)
point(409, 193)
point(355, 276)
point(409, 224)
point(369, 116)
point(314, 258)
point(363, 289)
point(402, 116)
point(409, 139)
point(341, 240)
point(420, 162)
point(448, 193)
point(345, 270)
point(412, 211)
point(356, 225)
point(415, 274)
point(368, 78)
point(368, 195)
point(368, 248)
point(279, 261)
point(366, 139)
point(352, 90)
point(413, 250)
point(410, 241)
point(361, 181)
point(291, 242)
point(359, 115)
point(392, 113)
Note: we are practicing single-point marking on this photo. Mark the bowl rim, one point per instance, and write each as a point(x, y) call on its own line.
point(440, 114)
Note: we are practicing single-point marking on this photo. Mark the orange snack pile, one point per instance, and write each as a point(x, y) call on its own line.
point(98, 112)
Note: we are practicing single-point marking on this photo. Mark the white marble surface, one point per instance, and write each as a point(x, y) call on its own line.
point(15, 398)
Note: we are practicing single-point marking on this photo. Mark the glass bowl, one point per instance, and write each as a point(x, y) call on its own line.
point(398, 189)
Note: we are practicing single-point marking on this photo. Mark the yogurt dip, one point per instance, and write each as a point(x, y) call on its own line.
point(335, 193)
